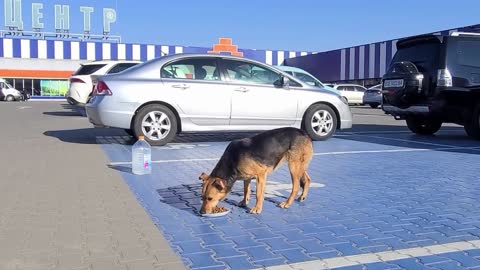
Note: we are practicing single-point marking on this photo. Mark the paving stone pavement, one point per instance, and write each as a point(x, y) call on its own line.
point(383, 200)
point(388, 202)
point(61, 207)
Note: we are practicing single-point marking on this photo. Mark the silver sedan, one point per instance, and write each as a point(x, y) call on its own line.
point(210, 92)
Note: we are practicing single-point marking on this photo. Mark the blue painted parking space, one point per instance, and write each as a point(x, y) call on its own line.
point(370, 193)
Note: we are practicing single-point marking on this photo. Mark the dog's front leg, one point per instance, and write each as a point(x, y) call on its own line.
point(246, 193)
point(261, 182)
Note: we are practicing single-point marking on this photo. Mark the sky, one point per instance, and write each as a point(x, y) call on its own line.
point(296, 25)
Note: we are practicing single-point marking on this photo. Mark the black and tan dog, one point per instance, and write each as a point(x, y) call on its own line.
point(255, 158)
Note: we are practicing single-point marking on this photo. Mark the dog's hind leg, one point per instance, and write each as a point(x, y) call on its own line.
point(305, 184)
point(296, 172)
point(298, 160)
point(246, 193)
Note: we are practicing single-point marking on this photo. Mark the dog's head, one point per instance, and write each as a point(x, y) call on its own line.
point(214, 190)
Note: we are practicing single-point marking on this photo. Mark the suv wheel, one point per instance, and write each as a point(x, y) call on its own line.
point(157, 123)
point(374, 106)
point(423, 126)
point(9, 98)
point(320, 122)
point(472, 126)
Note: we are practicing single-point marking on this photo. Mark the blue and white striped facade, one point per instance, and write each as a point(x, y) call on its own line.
point(89, 51)
point(363, 62)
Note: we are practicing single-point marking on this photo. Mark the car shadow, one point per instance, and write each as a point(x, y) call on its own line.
point(64, 113)
point(91, 136)
point(69, 110)
point(447, 139)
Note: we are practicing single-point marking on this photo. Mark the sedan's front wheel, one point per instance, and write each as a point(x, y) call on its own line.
point(320, 122)
point(157, 123)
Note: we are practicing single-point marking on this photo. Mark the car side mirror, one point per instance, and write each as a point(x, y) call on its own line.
point(282, 82)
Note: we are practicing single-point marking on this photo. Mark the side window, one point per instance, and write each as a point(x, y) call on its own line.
point(121, 67)
point(194, 69)
point(359, 89)
point(250, 73)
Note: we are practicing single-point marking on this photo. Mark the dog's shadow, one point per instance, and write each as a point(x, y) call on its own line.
point(188, 198)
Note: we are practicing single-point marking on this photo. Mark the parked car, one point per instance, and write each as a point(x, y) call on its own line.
point(83, 80)
point(306, 77)
point(434, 80)
point(8, 93)
point(352, 92)
point(373, 96)
point(211, 92)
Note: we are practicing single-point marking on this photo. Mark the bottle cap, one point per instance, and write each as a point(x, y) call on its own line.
point(141, 137)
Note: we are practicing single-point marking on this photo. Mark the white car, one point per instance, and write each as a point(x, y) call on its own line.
point(352, 92)
point(8, 93)
point(83, 80)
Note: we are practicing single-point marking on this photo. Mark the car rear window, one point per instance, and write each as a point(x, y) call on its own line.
point(467, 53)
point(424, 56)
point(88, 69)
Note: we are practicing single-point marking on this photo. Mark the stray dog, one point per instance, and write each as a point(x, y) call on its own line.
point(255, 158)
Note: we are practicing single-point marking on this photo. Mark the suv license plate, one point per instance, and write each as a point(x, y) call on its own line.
point(393, 83)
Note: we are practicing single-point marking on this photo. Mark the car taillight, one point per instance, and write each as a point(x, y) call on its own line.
point(444, 78)
point(76, 80)
point(102, 89)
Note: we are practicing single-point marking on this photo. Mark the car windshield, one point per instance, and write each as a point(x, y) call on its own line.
point(88, 69)
point(308, 79)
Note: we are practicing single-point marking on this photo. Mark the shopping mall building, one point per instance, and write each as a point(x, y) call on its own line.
point(41, 62)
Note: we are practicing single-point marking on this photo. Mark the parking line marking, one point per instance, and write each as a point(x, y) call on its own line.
point(402, 140)
point(384, 256)
point(318, 154)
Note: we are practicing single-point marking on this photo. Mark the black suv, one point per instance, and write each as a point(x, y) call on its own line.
point(433, 80)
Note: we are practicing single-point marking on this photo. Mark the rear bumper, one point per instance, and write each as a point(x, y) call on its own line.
point(368, 99)
point(419, 109)
point(102, 113)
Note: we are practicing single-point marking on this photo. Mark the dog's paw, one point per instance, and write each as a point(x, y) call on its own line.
point(243, 203)
point(255, 210)
point(284, 205)
point(302, 198)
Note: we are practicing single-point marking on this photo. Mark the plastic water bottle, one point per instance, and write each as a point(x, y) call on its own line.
point(141, 157)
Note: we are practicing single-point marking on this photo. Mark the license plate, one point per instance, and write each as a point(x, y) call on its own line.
point(393, 83)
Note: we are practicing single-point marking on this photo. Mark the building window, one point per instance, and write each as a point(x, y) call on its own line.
point(54, 87)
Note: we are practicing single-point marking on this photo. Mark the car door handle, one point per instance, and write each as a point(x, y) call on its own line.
point(242, 89)
point(182, 86)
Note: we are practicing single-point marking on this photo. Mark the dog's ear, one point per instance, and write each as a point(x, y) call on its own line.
point(220, 184)
point(203, 177)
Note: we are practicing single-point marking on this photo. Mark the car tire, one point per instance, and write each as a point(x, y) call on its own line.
point(374, 106)
point(472, 125)
point(320, 122)
point(9, 98)
point(164, 130)
point(423, 126)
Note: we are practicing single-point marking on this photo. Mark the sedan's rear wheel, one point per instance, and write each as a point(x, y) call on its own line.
point(157, 123)
point(320, 122)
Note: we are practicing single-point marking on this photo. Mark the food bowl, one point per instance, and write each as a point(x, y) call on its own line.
point(219, 211)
